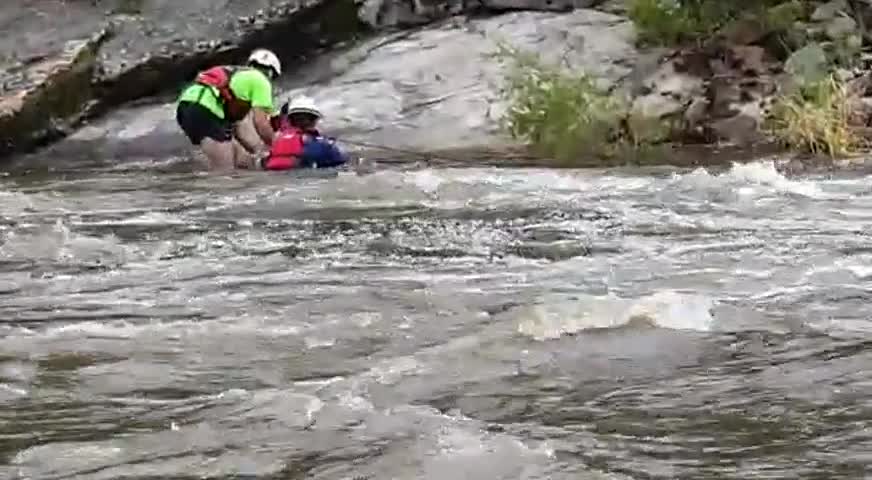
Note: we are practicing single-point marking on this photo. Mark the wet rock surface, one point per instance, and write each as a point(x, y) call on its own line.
point(389, 93)
point(423, 80)
point(152, 46)
point(432, 88)
point(724, 90)
point(54, 90)
point(378, 13)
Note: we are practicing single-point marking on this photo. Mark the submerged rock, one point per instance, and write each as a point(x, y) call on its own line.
point(434, 88)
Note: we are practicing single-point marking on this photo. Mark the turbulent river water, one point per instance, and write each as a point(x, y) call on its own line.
point(475, 323)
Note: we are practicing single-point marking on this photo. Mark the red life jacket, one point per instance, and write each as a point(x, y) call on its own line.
point(219, 77)
point(285, 150)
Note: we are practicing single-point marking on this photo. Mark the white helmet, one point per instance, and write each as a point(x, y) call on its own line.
point(266, 58)
point(304, 104)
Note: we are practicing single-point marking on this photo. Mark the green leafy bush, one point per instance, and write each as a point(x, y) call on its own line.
point(561, 115)
point(671, 22)
point(566, 116)
point(664, 22)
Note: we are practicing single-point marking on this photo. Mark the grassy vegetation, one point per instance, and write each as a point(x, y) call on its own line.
point(671, 22)
point(560, 115)
point(661, 22)
point(815, 118)
point(566, 116)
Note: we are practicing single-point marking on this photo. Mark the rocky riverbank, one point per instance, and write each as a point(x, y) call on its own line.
point(64, 61)
point(723, 89)
point(749, 75)
point(410, 75)
point(427, 88)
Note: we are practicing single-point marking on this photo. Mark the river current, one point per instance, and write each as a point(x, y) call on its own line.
point(468, 323)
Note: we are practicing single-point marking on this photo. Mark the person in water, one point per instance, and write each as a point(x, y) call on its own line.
point(211, 110)
point(298, 143)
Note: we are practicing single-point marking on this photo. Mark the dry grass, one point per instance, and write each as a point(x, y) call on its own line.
point(815, 119)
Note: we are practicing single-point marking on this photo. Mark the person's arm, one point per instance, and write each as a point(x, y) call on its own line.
point(262, 125)
point(253, 87)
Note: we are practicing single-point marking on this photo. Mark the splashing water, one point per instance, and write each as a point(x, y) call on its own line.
point(472, 323)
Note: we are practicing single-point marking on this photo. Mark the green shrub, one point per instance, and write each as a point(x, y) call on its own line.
point(559, 114)
point(567, 117)
point(671, 22)
point(664, 22)
point(782, 17)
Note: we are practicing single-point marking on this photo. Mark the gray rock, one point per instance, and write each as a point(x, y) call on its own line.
point(395, 95)
point(382, 13)
point(744, 31)
point(154, 45)
point(830, 10)
point(34, 31)
point(169, 40)
point(742, 129)
point(548, 5)
point(808, 64)
point(670, 92)
point(390, 13)
point(434, 88)
point(841, 27)
point(861, 85)
point(657, 105)
point(696, 111)
point(48, 95)
point(737, 111)
point(860, 111)
point(750, 60)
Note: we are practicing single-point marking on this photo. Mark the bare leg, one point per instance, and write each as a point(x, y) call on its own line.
point(200, 160)
point(220, 154)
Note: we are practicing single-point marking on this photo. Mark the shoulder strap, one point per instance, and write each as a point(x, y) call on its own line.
point(219, 77)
